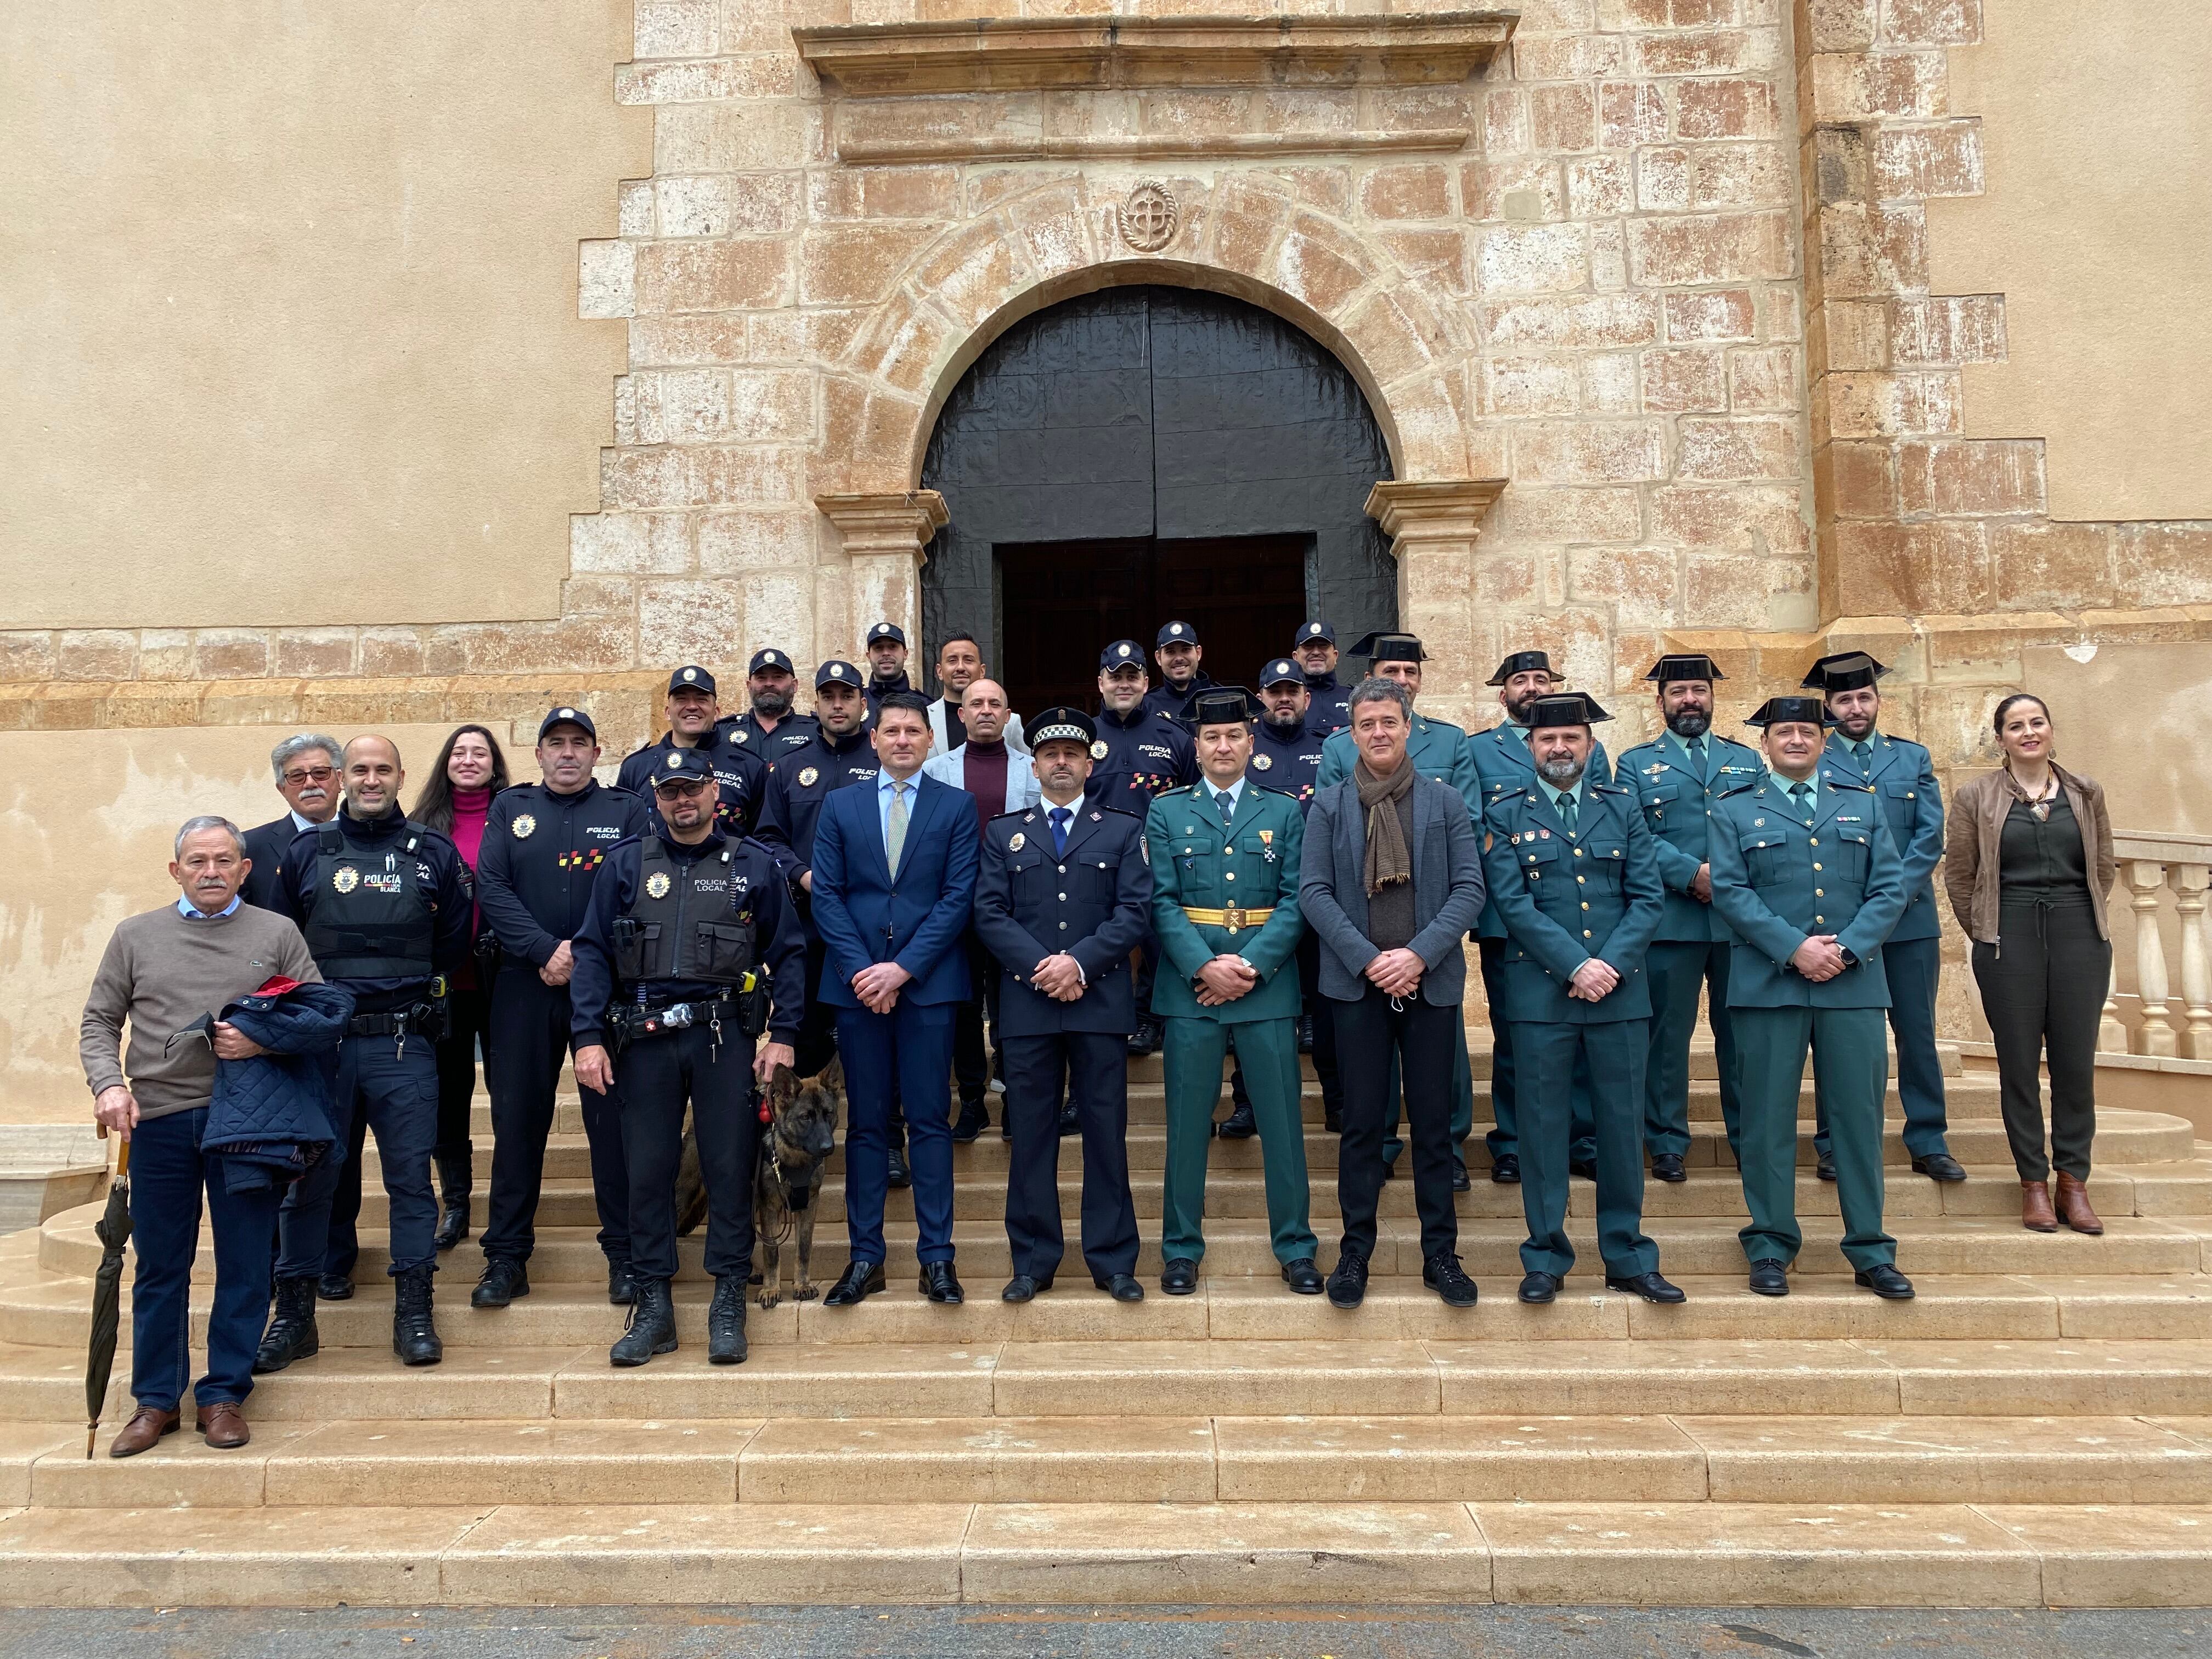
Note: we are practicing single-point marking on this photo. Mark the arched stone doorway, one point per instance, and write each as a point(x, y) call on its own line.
point(1143, 453)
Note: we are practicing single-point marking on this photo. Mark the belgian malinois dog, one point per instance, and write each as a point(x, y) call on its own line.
point(795, 1147)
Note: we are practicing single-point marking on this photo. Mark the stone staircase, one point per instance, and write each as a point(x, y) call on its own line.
point(2035, 1430)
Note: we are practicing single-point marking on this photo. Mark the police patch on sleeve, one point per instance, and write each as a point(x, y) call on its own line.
point(523, 824)
point(1098, 749)
point(807, 776)
point(739, 737)
point(345, 878)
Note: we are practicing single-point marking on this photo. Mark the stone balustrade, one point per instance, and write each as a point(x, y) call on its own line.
point(2152, 867)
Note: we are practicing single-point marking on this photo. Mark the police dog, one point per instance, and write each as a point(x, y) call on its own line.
point(795, 1147)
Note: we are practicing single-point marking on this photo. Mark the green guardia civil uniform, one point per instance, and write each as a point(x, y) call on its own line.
point(1790, 861)
point(1573, 884)
point(1437, 749)
point(1677, 783)
point(1212, 880)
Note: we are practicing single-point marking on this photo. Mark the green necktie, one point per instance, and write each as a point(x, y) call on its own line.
point(1801, 793)
point(895, 831)
point(1697, 757)
point(1225, 804)
point(1567, 812)
point(1864, 751)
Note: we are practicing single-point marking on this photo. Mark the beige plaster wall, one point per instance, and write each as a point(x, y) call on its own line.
point(2096, 226)
point(291, 285)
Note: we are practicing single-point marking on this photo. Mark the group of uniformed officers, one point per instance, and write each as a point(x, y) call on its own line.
point(1134, 888)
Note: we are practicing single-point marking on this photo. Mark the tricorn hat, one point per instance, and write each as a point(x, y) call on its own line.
point(1222, 705)
point(1520, 662)
point(1784, 711)
point(1694, 665)
point(1384, 647)
point(1847, 671)
point(1567, 708)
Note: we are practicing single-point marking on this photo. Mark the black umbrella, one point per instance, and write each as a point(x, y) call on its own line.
point(114, 1229)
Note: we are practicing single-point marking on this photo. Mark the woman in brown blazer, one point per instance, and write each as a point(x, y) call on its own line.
point(2028, 862)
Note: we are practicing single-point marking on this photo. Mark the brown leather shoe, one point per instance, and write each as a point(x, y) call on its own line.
point(147, 1424)
point(2074, 1206)
point(2035, 1212)
point(223, 1424)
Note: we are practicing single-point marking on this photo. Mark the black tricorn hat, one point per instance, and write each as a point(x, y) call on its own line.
point(1783, 711)
point(1520, 662)
point(1567, 708)
point(1847, 671)
point(1221, 705)
point(1062, 725)
point(1689, 667)
point(1384, 645)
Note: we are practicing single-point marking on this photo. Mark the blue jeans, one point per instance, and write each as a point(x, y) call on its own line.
point(167, 1177)
point(393, 1091)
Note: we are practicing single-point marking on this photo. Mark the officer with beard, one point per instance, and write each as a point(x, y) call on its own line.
point(694, 716)
point(1178, 652)
point(886, 649)
point(1138, 754)
point(1328, 702)
point(1677, 778)
point(769, 728)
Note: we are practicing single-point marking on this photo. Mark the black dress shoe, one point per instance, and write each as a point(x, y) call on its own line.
point(1071, 1122)
point(1887, 1282)
point(1179, 1277)
point(1332, 1120)
point(1459, 1183)
point(1667, 1167)
point(1238, 1125)
point(939, 1285)
point(1442, 1274)
point(504, 1280)
point(1146, 1039)
point(1649, 1286)
point(1305, 1034)
point(1537, 1289)
point(973, 1119)
point(1824, 1165)
point(899, 1175)
point(1347, 1283)
point(860, 1280)
point(1022, 1288)
point(1506, 1169)
point(1939, 1166)
point(1122, 1287)
point(334, 1287)
point(1770, 1278)
point(1584, 1167)
point(1303, 1276)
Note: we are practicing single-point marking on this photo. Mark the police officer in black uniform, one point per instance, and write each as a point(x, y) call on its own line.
point(887, 648)
point(1176, 649)
point(1328, 702)
point(543, 845)
point(1063, 896)
point(769, 728)
point(386, 905)
point(690, 950)
point(693, 714)
point(1138, 754)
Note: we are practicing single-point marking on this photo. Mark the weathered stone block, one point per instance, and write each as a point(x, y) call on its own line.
point(915, 193)
point(1563, 118)
point(1868, 86)
point(164, 653)
point(605, 283)
point(629, 544)
point(232, 653)
point(705, 475)
point(1731, 108)
point(1619, 319)
point(1971, 477)
point(1600, 185)
point(1684, 378)
point(721, 275)
point(695, 621)
point(26, 655)
point(1719, 314)
point(315, 652)
point(1643, 583)
point(1529, 386)
point(1610, 384)
point(1765, 378)
point(1931, 22)
point(730, 543)
point(1707, 52)
point(672, 406)
point(1534, 259)
point(856, 265)
point(390, 651)
point(675, 28)
point(1595, 452)
point(1755, 448)
point(1948, 329)
point(1873, 251)
point(1531, 513)
point(2040, 565)
point(1722, 248)
point(1412, 191)
point(1631, 112)
point(1943, 160)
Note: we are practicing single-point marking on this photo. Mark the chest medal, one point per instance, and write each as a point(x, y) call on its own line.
point(524, 823)
point(656, 885)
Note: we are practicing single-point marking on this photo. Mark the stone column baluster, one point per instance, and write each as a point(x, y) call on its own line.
point(2111, 1030)
point(883, 538)
point(2188, 882)
point(1433, 527)
point(2145, 877)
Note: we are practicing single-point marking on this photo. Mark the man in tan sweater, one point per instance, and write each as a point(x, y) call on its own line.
point(161, 971)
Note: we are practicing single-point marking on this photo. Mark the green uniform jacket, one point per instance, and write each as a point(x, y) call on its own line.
point(1678, 808)
point(1778, 882)
point(1566, 898)
point(1438, 748)
point(1198, 863)
point(1904, 775)
point(1498, 764)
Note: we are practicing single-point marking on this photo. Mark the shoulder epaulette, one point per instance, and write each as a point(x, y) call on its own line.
point(1611, 789)
point(1270, 789)
point(1018, 812)
point(1119, 812)
point(1859, 784)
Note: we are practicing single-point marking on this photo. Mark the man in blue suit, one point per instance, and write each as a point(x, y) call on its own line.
point(894, 879)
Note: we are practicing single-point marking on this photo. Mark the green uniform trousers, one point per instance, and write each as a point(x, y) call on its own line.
point(1851, 1063)
point(1675, 970)
point(1192, 1053)
point(1462, 1098)
point(1544, 1064)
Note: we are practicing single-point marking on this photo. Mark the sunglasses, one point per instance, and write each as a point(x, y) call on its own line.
point(695, 787)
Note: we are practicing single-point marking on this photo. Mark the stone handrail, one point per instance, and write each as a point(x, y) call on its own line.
point(2151, 864)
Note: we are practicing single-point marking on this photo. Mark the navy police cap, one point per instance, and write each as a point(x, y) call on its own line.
point(1312, 631)
point(1122, 653)
point(891, 631)
point(769, 657)
point(1281, 671)
point(566, 715)
point(833, 672)
point(676, 765)
point(691, 677)
point(1176, 633)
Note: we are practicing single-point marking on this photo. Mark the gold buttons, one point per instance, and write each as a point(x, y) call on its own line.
point(1229, 875)
point(1820, 892)
point(1816, 864)
point(1819, 918)
point(1586, 933)
point(1816, 841)
point(1585, 904)
point(1578, 852)
point(1582, 880)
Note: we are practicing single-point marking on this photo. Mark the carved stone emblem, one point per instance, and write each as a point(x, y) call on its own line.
point(1148, 217)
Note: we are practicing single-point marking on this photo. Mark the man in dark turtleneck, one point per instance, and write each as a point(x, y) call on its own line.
point(1002, 780)
point(886, 646)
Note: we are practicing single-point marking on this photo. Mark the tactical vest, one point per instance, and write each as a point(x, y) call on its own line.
point(685, 921)
point(374, 915)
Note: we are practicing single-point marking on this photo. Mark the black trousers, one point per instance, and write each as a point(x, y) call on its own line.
point(1090, 1069)
point(2042, 987)
point(972, 1059)
point(1315, 1008)
point(1369, 1033)
point(470, 1016)
point(653, 1078)
point(530, 1030)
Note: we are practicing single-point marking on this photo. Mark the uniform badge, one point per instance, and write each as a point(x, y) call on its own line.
point(1655, 768)
point(1096, 816)
point(1019, 841)
point(345, 878)
point(1758, 824)
point(739, 737)
point(1098, 749)
point(691, 675)
point(1267, 845)
point(1145, 851)
point(523, 824)
point(806, 777)
point(656, 885)
point(1262, 762)
point(1546, 834)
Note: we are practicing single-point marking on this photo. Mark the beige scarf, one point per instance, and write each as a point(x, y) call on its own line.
point(1388, 861)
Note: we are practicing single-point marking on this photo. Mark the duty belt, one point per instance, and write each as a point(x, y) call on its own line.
point(1234, 918)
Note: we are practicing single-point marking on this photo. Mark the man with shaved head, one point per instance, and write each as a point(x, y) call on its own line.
point(385, 905)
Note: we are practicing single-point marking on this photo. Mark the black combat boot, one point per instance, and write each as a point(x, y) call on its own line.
point(621, 1291)
point(504, 1280)
point(414, 1338)
point(652, 1327)
point(454, 1172)
point(291, 1326)
point(726, 1322)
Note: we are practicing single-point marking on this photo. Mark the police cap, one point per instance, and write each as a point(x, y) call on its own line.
point(1520, 662)
point(891, 631)
point(1281, 671)
point(1122, 653)
point(1389, 647)
point(834, 673)
point(568, 716)
point(1692, 666)
point(1845, 671)
point(769, 657)
point(1784, 711)
point(1222, 705)
point(675, 765)
point(1567, 708)
point(1062, 724)
point(691, 677)
point(1309, 632)
point(1176, 633)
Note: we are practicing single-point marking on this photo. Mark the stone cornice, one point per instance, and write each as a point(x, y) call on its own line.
point(902, 522)
point(1442, 508)
point(986, 54)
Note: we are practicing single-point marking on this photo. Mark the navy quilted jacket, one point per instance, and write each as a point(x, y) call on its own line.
point(270, 1119)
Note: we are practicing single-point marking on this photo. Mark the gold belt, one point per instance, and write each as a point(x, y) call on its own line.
point(1236, 917)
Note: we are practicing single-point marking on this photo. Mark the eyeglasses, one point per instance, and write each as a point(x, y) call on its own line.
point(689, 789)
point(311, 775)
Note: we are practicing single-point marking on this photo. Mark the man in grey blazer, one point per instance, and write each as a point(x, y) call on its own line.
point(1392, 883)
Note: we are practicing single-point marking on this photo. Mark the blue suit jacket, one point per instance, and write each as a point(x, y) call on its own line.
point(866, 915)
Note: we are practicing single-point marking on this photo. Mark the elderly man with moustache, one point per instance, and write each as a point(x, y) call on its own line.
point(306, 765)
